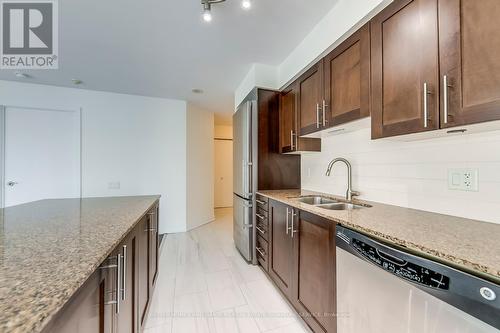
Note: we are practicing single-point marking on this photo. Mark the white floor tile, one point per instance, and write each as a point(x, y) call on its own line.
point(193, 314)
point(204, 285)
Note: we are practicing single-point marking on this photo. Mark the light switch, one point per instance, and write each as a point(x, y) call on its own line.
point(463, 179)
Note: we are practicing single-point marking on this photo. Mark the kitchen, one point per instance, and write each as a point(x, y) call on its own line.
point(365, 162)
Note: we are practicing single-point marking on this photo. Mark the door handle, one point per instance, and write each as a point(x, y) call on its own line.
point(12, 183)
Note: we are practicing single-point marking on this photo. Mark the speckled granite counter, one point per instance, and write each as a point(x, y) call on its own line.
point(49, 248)
point(470, 245)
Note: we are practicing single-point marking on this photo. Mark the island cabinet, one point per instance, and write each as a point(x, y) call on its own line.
point(434, 65)
point(116, 297)
point(302, 263)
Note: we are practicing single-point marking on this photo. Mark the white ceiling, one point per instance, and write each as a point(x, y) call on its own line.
point(164, 49)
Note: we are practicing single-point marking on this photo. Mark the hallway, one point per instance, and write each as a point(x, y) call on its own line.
point(204, 285)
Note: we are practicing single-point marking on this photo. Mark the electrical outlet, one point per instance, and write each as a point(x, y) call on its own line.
point(463, 179)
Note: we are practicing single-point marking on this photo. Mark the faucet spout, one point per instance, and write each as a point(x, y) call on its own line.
point(350, 193)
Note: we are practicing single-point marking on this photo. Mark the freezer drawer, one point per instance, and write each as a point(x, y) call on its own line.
point(243, 226)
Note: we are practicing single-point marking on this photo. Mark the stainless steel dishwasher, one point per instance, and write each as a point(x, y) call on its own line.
point(381, 289)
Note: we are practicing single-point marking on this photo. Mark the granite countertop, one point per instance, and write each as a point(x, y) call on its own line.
point(49, 248)
point(470, 245)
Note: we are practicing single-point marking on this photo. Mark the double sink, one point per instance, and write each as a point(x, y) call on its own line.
point(330, 204)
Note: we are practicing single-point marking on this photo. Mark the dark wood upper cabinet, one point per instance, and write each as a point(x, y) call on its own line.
point(405, 71)
point(290, 142)
point(347, 79)
point(280, 258)
point(288, 131)
point(469, 42)
point(314, 271)
point(310, 100)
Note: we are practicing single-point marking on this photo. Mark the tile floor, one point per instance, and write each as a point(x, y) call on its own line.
point(204, 285)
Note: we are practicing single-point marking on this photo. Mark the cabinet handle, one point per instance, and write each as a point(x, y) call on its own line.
point(446, 85)
point(261, 252)
point(259, 216)
point(292, 146)
point(324, 113)
point(293, 231)
point(287, 213)
point(124, 273)
point(262, 231)
point(426, 107)
point(260, 202)
point(117, 292)
point(318, 124)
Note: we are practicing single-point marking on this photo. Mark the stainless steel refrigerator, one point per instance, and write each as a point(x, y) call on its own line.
point(244, 178)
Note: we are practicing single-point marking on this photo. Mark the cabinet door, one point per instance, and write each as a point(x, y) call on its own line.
point(143, 269)
point(87, 311)
point(287, 120)
point(153, 248)
point(314, 271)
point(405, 89)
point(280, 268)
point(127, 317)
point(310, 100)
point(347, 79)
point(469, 41)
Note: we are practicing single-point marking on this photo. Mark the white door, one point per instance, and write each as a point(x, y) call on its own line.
point(223, 173)
point(42, 155)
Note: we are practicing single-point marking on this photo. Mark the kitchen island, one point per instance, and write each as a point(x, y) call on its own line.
point(52, 252)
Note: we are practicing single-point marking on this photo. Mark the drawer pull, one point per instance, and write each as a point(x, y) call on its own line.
point(260, 202)
point(262, 231)
point(261, 252)
point(260, 216)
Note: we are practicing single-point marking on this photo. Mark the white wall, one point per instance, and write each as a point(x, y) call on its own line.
point(200, 167)
point(260, 75)
point(223, 172)
point(341, 21)
point(412, 174)
point(138, 141)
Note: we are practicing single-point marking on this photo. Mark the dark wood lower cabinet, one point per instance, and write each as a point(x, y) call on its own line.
point(115, 299)
point(313, 291)
point(302, 263)
point(280, 262)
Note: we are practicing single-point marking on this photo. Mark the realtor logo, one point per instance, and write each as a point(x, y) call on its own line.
point(29, 33)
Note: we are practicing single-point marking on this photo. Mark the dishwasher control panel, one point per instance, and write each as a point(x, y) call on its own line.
point(401, 268)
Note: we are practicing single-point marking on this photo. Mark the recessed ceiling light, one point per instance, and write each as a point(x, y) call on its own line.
point(197, 91)
point(76, 81)
point(21, 75)
point(246, 4)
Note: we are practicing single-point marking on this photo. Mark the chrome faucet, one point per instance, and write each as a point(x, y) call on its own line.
point(350, 193)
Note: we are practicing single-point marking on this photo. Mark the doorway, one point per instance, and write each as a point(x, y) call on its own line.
point(223, 178)
point(41, 154)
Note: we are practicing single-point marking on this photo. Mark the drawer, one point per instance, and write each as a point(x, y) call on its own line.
point(262, 202)
point(262, 252)
point(262, 230)
point(261, 217)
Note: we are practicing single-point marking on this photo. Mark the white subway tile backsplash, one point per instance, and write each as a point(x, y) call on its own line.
point(412, 174)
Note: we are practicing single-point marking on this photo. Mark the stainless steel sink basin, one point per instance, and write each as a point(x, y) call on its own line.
point(316, 200)
point(341, 206)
